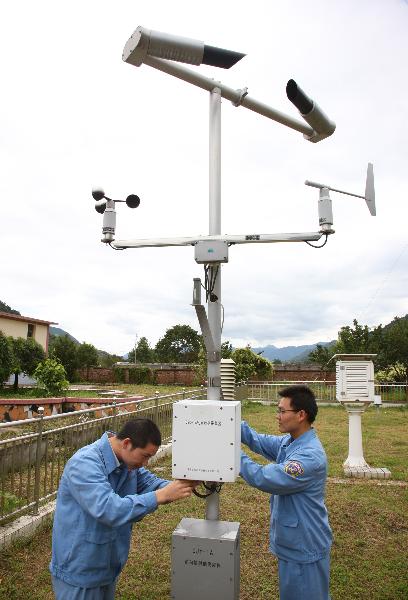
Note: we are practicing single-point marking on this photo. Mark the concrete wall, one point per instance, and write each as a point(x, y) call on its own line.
point(97, 375)
point(163, 374)
point(185, 374)
point(300, 372)
point(179, 376)
point(17, 409)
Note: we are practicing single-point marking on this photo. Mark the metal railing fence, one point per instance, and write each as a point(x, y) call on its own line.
point(325, 391)
point(33, 452)
point(392, 392)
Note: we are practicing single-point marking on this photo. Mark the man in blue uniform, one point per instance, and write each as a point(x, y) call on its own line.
point(104, 489)
point(300, 535)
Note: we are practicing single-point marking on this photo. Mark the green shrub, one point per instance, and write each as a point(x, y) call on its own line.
point(137, 375)
point(141, 375)
point(6, 358)
point(10, 502)
point(51, 376)
point(118, 375)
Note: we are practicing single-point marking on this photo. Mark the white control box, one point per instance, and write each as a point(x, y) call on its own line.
point(206, 440)
point(209, 252)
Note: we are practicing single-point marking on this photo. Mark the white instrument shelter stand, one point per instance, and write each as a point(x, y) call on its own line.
point(355, 391)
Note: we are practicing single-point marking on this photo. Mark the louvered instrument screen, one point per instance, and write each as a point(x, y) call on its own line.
point(355, 380)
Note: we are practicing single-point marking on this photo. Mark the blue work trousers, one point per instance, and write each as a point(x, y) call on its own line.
point(304, 581)
point(65, 591)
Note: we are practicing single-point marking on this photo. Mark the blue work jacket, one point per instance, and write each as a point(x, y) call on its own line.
point(98, 500)
point(299, 529)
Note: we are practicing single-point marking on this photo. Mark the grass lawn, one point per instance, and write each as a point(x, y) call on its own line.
point(368, 519)
point(385, 440)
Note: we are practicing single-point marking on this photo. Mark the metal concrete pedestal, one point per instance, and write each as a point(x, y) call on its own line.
point(355, 411)
point(355, 465)
point(205, 560)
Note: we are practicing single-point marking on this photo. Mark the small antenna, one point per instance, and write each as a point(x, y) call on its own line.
point(369, 195)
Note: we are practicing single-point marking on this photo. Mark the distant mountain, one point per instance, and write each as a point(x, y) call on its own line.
point(7, 309)
point(60, 332)
point(289, 353)
point(388, 325)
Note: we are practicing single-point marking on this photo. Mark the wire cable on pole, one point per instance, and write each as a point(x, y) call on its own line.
point(211, 489)
point(321, 245)
point(210, 278)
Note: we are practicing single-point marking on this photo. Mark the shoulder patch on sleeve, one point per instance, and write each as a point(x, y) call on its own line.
point(294, 468)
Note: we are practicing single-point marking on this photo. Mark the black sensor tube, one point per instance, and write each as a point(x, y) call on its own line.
point(298, 97)
point(219, 57)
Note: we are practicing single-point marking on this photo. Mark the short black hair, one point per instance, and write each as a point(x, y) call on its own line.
point(301, 398)
point(140, 432)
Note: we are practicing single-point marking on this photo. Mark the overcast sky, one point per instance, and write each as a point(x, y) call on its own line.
point(73, 116)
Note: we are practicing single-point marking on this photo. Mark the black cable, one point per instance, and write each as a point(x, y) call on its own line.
point(207, 293)
point(210, 278)
point(214, 275)
point(213, 488)
point(321, 245)
point(201, 495)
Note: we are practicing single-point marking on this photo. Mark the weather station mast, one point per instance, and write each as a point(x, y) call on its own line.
point(206, 434)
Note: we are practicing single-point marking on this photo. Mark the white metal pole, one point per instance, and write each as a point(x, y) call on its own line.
point(235, 96)
point(214, 308)
point(251, 238)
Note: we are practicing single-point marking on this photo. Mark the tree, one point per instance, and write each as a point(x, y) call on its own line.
point(50, 375)
point(6, 358)
point(201, 371)
point(248, 364)
point(107, 360)
point(395, 347)
point(144, 353)
point(392, 374)
point(358, 340)
point(321, 355)
point(180, 343)
point(87, 356)
point(27, 354)
point(65, 350)
point(226, 349)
